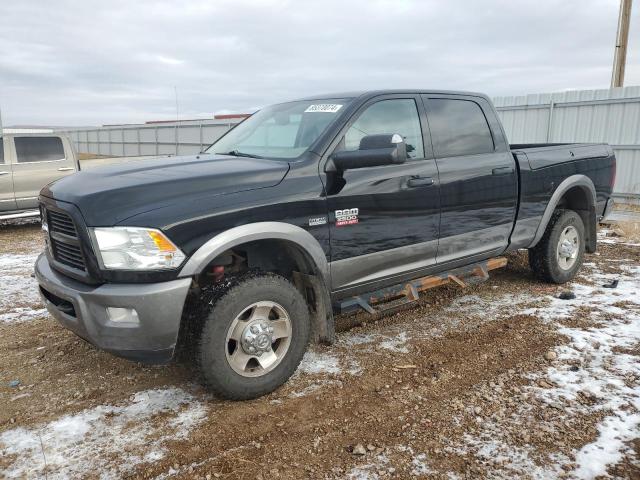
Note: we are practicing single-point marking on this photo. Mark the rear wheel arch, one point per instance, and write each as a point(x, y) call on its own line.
point(576, 193)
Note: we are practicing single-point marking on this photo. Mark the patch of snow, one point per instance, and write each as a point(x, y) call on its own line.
point(314, 387)
point(420, 467)
point(349, 339)
point(492, 307)
point(608, 449)
point(510, 461)
point(380, 465)
point(314, 363)
point(19, 297)
point(108, 439)
point(369, 471)
point(605, 370)
point(396, 344)
point(597, 363)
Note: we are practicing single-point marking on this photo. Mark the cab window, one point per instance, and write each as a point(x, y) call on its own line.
point(458, 127)
point(38, 149)
point(388, 117)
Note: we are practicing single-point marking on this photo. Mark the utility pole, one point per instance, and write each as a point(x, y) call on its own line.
point(622, 38)
point(177, 131)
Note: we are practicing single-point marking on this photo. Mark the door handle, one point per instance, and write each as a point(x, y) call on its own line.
point(420, 182)
point(502, 171)
point(4, 173)
point(65, 169)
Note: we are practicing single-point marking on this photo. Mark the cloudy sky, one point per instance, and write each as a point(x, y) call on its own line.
point(90, 62)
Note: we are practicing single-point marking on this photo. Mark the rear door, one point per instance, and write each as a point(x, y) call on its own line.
point(7, 199)
point(38, 161)
point(384, 219)
point(478, 177)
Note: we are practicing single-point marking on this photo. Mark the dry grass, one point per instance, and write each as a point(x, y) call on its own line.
point(90, 156)
point(627, 207)
point(629, 230)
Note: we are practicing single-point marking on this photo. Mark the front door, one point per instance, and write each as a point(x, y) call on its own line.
point(478, 177)
point(384, 220)
point(7, 199)
point(38, 161)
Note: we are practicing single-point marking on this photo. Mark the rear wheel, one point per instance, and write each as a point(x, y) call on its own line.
point(559, 254)
point(254, 336)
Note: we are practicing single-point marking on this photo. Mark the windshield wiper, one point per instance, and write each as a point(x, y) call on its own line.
point(237, 153)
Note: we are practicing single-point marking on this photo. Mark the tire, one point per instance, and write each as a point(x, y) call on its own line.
point(559, 254)
point(236, 348)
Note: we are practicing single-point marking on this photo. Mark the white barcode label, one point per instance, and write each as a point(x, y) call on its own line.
point(323, 107)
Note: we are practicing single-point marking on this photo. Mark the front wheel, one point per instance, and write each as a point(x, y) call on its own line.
point(559, 254)
point(254, 337)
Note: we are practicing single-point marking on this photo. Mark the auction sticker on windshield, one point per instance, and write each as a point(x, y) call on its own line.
point(323, 107)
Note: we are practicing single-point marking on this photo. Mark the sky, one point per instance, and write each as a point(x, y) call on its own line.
point(91, 62)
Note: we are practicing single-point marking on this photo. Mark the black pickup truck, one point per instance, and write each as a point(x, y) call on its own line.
point(239, 254)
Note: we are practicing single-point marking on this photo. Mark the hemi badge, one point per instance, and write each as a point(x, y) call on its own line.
point(313, 221)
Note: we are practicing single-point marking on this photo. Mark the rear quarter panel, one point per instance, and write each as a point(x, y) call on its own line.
point(541, 173)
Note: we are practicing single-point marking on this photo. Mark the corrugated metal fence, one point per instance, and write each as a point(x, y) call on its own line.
point(608, 115)
point(611, 116)
point(171, 138)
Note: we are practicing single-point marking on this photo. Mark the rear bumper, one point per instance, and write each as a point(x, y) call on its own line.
point(148, 336)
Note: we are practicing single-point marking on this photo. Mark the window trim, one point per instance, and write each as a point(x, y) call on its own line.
point(422, 117)
point(465, 98)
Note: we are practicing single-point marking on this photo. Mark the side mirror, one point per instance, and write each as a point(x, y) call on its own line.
point(375, 150)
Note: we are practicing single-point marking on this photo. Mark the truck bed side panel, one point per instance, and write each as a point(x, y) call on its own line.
point(543, 169)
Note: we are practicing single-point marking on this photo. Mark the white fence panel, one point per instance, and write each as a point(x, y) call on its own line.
point(608, 115)
point(183, 138)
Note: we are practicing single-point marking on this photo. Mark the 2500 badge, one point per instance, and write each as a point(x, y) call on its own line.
point(348, 216)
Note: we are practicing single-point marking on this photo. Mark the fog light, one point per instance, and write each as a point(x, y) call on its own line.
point(122, 315)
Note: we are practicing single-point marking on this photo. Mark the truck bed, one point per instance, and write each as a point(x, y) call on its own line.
point(542, 155)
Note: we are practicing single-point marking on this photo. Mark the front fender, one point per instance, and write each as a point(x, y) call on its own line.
point(322, 314)
point(252, 232)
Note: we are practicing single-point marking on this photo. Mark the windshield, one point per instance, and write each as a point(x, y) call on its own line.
point(283, 131)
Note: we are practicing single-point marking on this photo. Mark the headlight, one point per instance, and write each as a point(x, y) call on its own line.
point(134, 248)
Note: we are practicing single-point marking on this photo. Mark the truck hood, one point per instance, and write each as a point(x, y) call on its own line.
point(107, 195)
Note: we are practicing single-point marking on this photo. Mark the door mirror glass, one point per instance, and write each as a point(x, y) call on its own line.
point(374, 150)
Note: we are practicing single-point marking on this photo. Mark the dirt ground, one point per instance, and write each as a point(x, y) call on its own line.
point(499, 380)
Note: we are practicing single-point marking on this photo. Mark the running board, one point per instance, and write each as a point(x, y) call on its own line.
point(390, 299)
point(28, 213)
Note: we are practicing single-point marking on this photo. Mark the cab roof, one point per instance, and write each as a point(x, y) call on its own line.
point(361, 94)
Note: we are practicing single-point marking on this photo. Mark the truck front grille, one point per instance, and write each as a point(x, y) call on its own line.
point(61, 222)
point(65, 244)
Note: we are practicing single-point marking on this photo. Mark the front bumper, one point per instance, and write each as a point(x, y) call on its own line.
point(149, 338)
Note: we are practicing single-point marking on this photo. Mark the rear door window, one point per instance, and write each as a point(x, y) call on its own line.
point(38, 149)
point(458, 127)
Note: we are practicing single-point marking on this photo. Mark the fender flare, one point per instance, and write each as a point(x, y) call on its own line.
point(252, 232)
point(322, 317)
point(581, 181)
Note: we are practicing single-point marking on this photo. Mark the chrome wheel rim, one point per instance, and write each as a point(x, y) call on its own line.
point(258, 339)
point(568, 248)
